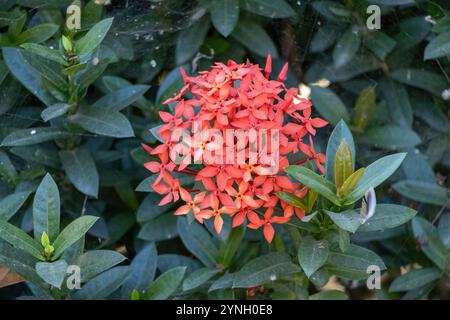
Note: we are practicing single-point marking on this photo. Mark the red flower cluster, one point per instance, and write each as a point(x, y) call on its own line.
point(240, 97)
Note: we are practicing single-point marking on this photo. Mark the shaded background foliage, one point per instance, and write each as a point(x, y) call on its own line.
point(391, 86)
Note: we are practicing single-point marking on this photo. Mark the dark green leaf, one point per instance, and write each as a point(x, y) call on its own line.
point(254, 38)
point(348, 220)
point(161, 228)
point(415, 279)
point(46, 209)
point(165, 285)
point(312, 254)
point(423, 191)
point(94, 37)
point(37, 34)
point(121, 98)
point(198, 278)
point(391, 137)
point(346, 47)
point(30, 136)
point(387, 216)
point(143, 270)
point(423, 79)
point(81, 170)
point(329, 105)
point(10, 204)
point(224, 15)
point(190, 40)
point(94, 262)
point(55, 111)
point(52, 272)
point(72, 233)
point(104, 122)
point(269, 8)
point(19, 239)
point(438, 47)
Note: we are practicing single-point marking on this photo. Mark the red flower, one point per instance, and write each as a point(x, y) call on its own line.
point(238, 97)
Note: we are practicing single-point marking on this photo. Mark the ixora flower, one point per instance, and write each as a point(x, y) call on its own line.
point(241, 128)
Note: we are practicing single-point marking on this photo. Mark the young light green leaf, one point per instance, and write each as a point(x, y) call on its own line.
point(81, 170)
point(46, 209)
point(314, 181)
point(343, 164)
point(340, 133)
point(312, 254)
point(72, 233)
point(165, 285)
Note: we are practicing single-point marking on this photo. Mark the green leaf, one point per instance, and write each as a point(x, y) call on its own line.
point(444, 229)
point(122, 98)
point(19, 239)
point(430, 244)
point(55, 111)
point(224, 15)
point(26, 74)
point(423, 192)
point(7, 170)
point(391, 137)
point(52, 272)
point(269, 8)
point(143, 270)
point(229, 247)
point(190, 40)
point(94, 37)
point(81, 170)
point(30, 136)
point(438, 47)
point(264, 269)
point(387, 216)
point(171, 85)
point(37, 34)
point(353, 263)
point(312, 254)
point(10, 204)
point(380, 44)
point(329, 105)
point(91, 72)
point(103, 121)
point(72, 233)
point(314, 181)
point(198, 278)
point(364, 108)
point(103, 285)
point(329, 295)
point(340, 133)
point(346, 47)
point(254, 38)
point(415, 279)
point(160, 228)
point(423, 79)
point(198, 241)
point(149, 208)
point(21, 262)
point(94, 262)
point(397, 100)
point(375, 174)
point(46, 209)
point(348, 220)
point(343, 164)
point(165, 285)
point(291, 199)
point(45, 52)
